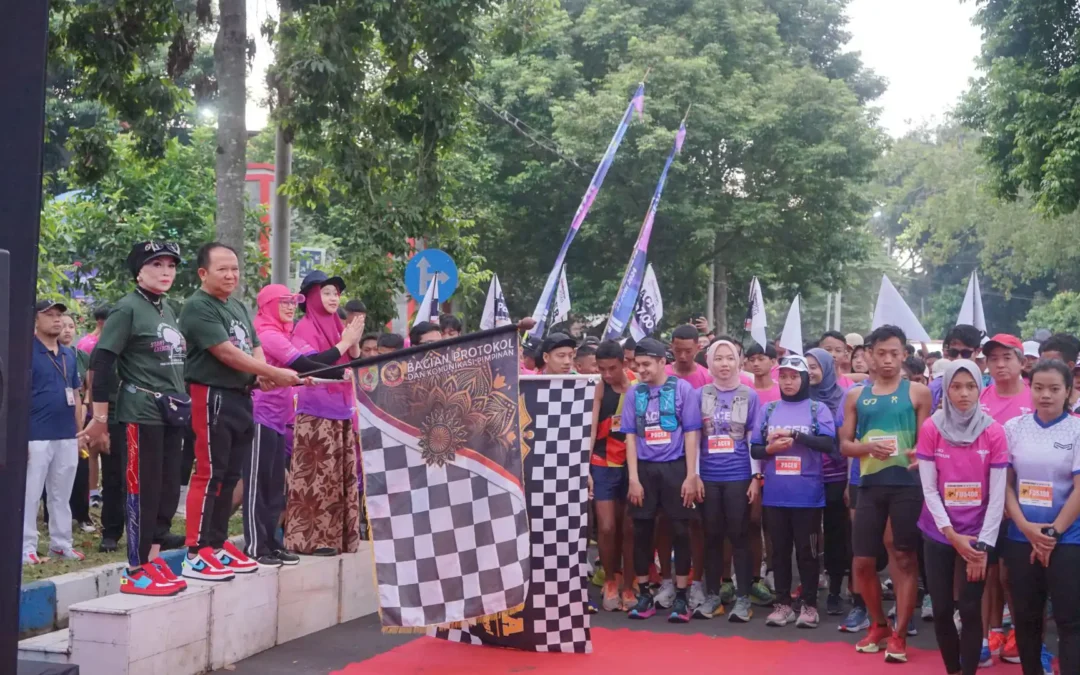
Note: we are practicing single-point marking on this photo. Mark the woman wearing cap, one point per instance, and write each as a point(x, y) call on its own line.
point(792, 437)
point(142, 339)
point(264, 469)
point(322, 513)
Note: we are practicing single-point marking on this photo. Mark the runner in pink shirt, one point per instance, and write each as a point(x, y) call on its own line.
point(684, 346)
point(762, 363)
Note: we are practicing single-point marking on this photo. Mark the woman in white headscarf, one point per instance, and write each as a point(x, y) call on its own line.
point(963, 458)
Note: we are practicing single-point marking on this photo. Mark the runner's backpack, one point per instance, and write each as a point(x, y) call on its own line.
point(669, 418)
point(814, 405)
point(739, 408)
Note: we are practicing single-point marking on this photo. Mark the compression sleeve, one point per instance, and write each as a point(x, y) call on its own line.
point(304, 364)
point(995, 508)
point(928, 477)
point(103, 366)
point(757, 451)
point(824, 444)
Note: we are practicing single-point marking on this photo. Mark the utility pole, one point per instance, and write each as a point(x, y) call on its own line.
point(280, 240)
point(836, 314)
point(828, 311)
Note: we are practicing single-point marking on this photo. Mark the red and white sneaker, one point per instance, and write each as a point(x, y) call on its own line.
point(235, 559)
point(206, 566)
point(166, 573)
point(33, 558)
point(66, 554)
point(148, 581)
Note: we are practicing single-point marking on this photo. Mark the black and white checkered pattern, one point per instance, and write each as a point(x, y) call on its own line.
point(556, 485)
point(450, 545)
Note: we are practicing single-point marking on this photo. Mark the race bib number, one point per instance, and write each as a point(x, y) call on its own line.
point(722, 444)
point(788, 465)
point(963, 494)
point(891, 441)
point(1037, 493)
point(656, 436)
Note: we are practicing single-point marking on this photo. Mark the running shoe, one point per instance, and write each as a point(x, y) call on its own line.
point(710, 608)
point(876, 636)
point(611, 595)
point(146, 581)
point(896, 649)
point(912, 629)
point(66, 554)
point(287, 558)
point(892, 612)
point(927, 608)
point(781, 616)
point(985, 659)
point(32, 558)
point(1006, 617)
point(887, 592)
point(696, 596)
point(206, 566)
point(235, 559)
point(956, 621)
point(591, 607)
point(808, 617)
point(108, 545)
point(770, 581)
point(95, 501)
point(1047, 661)
point(627, 599)
point(742, 610)
point(268, 560)
point(599, 576)
point(997, 641)
point(761, 595)
point(856, 621)
point(1010, 653)
point(833, 605)
point(644, 608)
point(727, 591)
point(680, 610)
point(665, 597)
point(166, 572)
point(88, 527)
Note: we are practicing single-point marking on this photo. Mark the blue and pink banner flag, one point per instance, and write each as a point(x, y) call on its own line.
point(623, 309)
point(540, 313)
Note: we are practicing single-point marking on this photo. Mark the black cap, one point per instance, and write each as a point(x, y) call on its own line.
point(46, 305)
point(651, 347)
point(556, 340)
point(319, 278)
point(356, 305)
point(145, 251)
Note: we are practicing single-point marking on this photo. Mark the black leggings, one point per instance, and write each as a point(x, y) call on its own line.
point(794, 528)
point(956, 650)
point(643, 545)
point(726, 513)
point(1030, 584)
point(113, 485)
point(264, 492)
point(153, 485)
point(837, 536)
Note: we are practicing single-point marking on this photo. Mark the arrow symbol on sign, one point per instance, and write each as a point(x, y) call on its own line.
point(425, 273)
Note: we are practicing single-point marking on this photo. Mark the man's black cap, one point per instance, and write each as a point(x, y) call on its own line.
point(651, 347)
point(46, 305)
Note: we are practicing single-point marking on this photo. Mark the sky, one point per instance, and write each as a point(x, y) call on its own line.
point(926, 50)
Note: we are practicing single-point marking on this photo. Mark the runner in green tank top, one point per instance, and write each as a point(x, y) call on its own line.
point(881, 421)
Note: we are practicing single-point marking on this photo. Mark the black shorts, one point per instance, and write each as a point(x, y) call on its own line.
point(853, 496)
point(994, 556)
point(662, 483)
point(880, 505)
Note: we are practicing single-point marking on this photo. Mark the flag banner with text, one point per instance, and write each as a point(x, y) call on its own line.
point(649, 309)
point(440, 438)
point(556, 422)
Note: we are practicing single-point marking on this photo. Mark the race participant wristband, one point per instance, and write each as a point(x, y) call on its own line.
point(758, 476)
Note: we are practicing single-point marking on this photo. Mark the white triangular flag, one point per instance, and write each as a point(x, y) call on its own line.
point(429, 306)
point(495, 311)
point(891, 309)
point(971, 312)
point(649, 308)
point(562, 298)
point(755, 314)
point(791, 338)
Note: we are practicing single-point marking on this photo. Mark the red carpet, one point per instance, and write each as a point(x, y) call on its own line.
point(616, 650)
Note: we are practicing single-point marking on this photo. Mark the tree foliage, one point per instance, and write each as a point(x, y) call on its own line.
point(1060, 315)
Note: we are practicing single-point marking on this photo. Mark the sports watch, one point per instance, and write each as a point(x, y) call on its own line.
point(982, 547)
point(758, 476)
point(1051, 532)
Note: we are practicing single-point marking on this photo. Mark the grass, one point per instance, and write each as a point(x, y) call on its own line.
point(87, 543)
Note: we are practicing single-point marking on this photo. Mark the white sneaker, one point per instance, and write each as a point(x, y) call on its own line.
point(696, 597)
point(770, 581)
point(665, 597)
point(33, 558)
point(87, 527)
point(66, 554)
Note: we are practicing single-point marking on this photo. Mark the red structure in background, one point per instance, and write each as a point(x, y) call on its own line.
point(259, 183)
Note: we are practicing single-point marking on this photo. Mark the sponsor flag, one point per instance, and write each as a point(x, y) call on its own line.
point(495, 311)
point(562, 299)
point(429, 306)
point(755, 314)
point(626, 298)
point(971, 312)
point(791, 338)
point(650, 307)
point(556, 424)
point(891, 309)
point(637, 103)
point(440, 428)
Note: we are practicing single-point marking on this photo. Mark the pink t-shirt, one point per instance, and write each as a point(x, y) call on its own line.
point(87, 343)
point(276, 408)
point(697, 379)
point(766, 396)
point(844, 382)
point(1004, 408)
point(747, 379)
point(963, 477)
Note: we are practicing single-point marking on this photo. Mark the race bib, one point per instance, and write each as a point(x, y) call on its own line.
point(654, 435)
point(787, 465)
point(891, 441)
point(963, 494)
point(1037, 493)
point(722, 444)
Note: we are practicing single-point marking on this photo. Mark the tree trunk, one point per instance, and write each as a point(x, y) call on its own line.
point(720, 296)
point(280, 239)
point(230, 62)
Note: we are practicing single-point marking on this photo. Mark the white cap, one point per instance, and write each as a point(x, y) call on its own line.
point(1031, 348)
point(794, 362)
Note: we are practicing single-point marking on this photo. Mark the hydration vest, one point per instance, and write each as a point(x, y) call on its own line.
point(739, 410)
point(669, 419)
point(772, 406)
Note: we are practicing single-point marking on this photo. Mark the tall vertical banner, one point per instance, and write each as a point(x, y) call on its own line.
point(556, 421)
point(496, 312)
point(649, 309)
point(755, 314)
point(562, 299)
point(440, 430)
point(540, 313)
point(627, 296)
point(971, 311)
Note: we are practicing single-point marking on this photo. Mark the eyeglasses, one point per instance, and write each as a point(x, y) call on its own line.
point(287, 302)
point(960, 353)
point(793, 361)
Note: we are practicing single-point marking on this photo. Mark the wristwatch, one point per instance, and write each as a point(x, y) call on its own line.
point(758, 476)
point(982, 547)
point(1051, 532)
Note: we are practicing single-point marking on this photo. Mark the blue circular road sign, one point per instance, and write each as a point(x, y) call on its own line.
point(426, 264)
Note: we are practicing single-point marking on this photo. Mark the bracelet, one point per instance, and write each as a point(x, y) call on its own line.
point(101, 419)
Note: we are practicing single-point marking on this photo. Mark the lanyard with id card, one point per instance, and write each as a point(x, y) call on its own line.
point(69, 393)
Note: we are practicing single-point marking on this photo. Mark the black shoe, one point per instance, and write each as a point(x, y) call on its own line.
point(268, 560)
point(833, 605)
point(95, 501)
point(287, 558)
point(172, 541)
point(325, 551)
point(108, 545)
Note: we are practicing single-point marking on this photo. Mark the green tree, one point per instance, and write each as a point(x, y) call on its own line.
point(1060, 315)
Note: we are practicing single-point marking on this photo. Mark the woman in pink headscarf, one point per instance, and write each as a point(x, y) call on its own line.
point(322, 514)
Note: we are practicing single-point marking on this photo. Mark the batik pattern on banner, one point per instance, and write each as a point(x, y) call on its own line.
point(556, 423)
point(440, 436)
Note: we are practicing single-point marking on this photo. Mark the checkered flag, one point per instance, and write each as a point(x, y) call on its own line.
point(557, 424)
point(451, 541)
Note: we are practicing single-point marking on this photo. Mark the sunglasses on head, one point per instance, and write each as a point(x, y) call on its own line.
point(960, 353)
point(154, 247)
point(792, 361)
